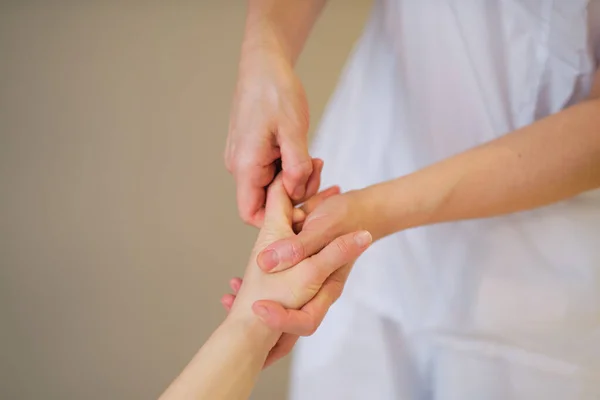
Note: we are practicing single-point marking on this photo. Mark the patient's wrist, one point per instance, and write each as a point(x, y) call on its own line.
point(253, 328)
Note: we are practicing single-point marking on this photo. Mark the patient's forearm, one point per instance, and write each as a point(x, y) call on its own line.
point(227, 366)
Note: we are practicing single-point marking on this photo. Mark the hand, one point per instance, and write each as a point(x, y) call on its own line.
point(293, 323)
point(269, 121)
point(296, 286)
point(325, 220)
point(332, 213)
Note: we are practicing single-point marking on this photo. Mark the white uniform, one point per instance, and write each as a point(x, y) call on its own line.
point(500, 308)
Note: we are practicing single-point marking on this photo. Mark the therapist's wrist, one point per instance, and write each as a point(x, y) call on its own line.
point(389, 207)
point(367, 211)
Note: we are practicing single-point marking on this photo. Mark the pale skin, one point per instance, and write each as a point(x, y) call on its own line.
point(549, 161)
point(227, 365)
point(269, 116)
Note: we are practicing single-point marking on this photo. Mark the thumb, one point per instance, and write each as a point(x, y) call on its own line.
point(296, 163)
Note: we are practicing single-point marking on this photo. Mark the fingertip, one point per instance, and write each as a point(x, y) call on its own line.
point(276, 191)
point(298, 216)
point(269, 312)
point(314, 201)
point(319, 163)
point(227, 301)
point(330, 191)
point(235, 284)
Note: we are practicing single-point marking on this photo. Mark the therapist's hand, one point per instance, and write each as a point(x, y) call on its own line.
point(269, 121)
point(326, 220)
point(294, 323)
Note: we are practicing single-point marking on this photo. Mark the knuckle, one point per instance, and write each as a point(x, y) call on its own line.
point(244, 157)
point(300, 170)
point(241, 163)
point(311, 276)
point(294, 298)
point(297, 112)
point(298, 251)
point(342, 246)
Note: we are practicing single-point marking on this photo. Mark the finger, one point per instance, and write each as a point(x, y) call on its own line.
point(298, 216)
point(312, 203)
point(312, 187)
point(290, 251)
point(235, 284)
point(251, 182)
point(314, 181)
point(279, 208)
point(227, 301)
point(287, 252)
point(296, 163)
point(284, 346)
point(277, 317)
point(339, 253)
point(304, 322)
point(342, 251)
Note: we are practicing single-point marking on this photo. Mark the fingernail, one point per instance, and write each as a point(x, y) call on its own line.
point(298, 193)
point(320, 165)
point(270, 259)
point(363, 238)
point(262, 312)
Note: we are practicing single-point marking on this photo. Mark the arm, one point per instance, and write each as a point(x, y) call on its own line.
point(548, 161)
point(269, 115)
point(227, 366)
point(284, 24)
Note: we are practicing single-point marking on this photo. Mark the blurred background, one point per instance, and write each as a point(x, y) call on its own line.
point(118, 225)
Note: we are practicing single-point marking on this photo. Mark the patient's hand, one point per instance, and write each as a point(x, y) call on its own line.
point(296, 286)
point(293, 288)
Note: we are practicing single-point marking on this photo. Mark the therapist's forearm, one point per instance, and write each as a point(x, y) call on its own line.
point(228, 364)
point(548, 161)
point(282, 25)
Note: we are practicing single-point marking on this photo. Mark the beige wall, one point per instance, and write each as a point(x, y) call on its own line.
point(118, 228)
